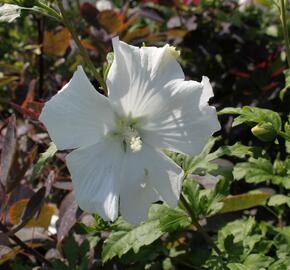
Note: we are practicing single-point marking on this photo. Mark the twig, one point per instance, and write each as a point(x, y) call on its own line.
point(285, 29)
point(19, 242)
point(83, 52)
point(40, 26)
point(201, 230)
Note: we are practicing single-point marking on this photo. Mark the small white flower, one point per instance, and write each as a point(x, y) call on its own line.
point(118, 163)
point(8, 12)
point(102, 5)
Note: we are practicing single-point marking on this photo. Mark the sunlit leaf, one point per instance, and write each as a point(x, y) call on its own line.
point(43, 158)
point(243, 201)
point(43, 219)
point(56, 43)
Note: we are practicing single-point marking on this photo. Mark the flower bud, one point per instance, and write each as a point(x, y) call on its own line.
point(264, 131)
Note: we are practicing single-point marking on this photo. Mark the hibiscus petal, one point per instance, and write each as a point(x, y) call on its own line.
point(138, 74)
point(77, 115)
point(95, 175)
point(147, 176)
point(185, 122)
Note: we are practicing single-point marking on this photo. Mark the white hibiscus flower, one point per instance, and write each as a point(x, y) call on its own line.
point(118, 162)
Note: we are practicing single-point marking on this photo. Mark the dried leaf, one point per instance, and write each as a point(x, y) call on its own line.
point(111, 21)
point(56, 43)
point(68, 214)
point(33, 205)
point(43, 220)
point(137, 33)
point(8, 153)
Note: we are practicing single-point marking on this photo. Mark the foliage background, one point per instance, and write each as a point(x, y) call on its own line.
point(238, 187)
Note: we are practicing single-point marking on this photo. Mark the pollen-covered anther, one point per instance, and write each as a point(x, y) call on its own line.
point(133, 139)
point(135, 144)
point(172, 50)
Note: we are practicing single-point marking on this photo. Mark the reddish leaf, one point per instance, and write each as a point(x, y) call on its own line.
point(8, 152)
point(136, 34)
point(30, 94)
point(34, 204)
point(90, 13)
point(25, 112)
point(56, 43)
point(43, 220)
point(68, 214)
point(112, 21)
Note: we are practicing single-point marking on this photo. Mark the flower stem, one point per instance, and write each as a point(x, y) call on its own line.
point(83, 52)
point(283, 12)
point(201, 230)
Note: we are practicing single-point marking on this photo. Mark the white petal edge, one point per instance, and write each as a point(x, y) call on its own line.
point(77, 115)
point(138, 74)
point(95, 175)
point(147, 176)
point(185, 121)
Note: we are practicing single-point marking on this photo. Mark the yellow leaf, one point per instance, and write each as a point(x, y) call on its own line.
point(136, 33)
point(56, 43)
point(43, 219)
point(243, 201)
point(111, 21)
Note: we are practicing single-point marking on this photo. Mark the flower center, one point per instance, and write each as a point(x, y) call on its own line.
point(128, 133)
point(132, 139)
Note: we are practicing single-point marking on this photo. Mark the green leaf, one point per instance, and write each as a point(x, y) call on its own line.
point(238, 150)
point(204, 202)
point(120, 242)
point(243, 201)
point(254, 171)
point(44, 157)
point(257, 261)
point(172, 219)
point(261, 170)
point(279, 199)
point(267, 122)
point(287, 84)
point(71, 249)
point(127, 237)
point(236, 266)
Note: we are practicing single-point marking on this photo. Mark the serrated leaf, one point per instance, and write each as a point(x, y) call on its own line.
point(173, 219)
point(238, 150)
point(287, 84)
point(279, 199)
point(236, 266)
point(260, 170)
point(43, 158)
point(243, 201)
point(253, 115)
point(127, 237)
point(257, 261)
point(120, 242)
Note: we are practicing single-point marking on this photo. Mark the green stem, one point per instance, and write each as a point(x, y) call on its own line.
point(83, 52)
point(201, 230)
point(285, 29)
